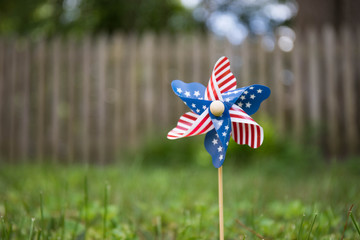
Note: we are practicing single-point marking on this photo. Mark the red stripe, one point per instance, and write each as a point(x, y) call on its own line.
point(208, 93)
point(222, 76)
point(229, 87)
point(213, 90)
point(252, 136)
point(246, 134)
point(190, 117)
point(221, 62)
point(184, 122)
point(236, 108)
point(258, 133)
point(235, 132)
point(182, 128)
point(234, 115)
point(206, 128)
point(199, 125)
point(241, 133)
point(222, 68)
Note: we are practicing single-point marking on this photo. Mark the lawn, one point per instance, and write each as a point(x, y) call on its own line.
point(133, 200)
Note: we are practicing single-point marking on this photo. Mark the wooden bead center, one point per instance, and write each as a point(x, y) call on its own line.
point(217, 108)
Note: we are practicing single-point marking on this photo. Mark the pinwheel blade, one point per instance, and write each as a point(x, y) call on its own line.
point(251, 97)
point(244, 129)
point(215, 148)
point(221, 80)
point(191, 124)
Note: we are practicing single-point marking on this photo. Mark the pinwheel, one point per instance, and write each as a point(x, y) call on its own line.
point(220, 110)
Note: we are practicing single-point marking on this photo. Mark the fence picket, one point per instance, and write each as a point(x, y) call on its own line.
point(332, 106)
point(351, 130)
point(85, 99)
point(118, 49)
point(298, 86)
point(40, 102)
point(314, 83)
point(279, 90)
point(101, 62)
point(24, 77)
point(55, 94)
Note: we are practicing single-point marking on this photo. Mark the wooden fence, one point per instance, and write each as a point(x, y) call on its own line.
point(86, 100)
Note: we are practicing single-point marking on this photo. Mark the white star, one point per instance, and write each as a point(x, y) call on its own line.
point(259, 91)
point(220, 123)
point(219, 148)
point(227, 100)
point(226, 127)
point(240, 104)
point(197, 110)
point(179, 90)
point(215, 141)
point(221, 157)
point(201, 98)
point(204, 107)
point(193, 105)
point(224, 134)
point(196, 93)
point(187, 93)
point(227, 144)
point(252, 96)
point(248, 105)
point(242, 97)
point(245, 92)
point(185, 103)
point(251, 88)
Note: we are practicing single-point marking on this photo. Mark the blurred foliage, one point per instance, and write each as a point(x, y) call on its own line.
point(162, 151)
point(234, 19)
point(48, 17)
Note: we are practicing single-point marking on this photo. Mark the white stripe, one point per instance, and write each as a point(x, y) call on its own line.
point(255, 136)
point(238, 132)
point(220, 66)
point(224, 70)
point(249, 135)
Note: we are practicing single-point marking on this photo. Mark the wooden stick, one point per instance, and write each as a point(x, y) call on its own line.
point(221, 213)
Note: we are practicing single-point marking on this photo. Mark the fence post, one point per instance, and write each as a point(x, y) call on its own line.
point(24, 78)
point(279, 90)
point(70, 78)
point(2, 79)
point(13, 58)
point(332, 97)
point(351, 131)
point(148, 80)
point(298, 98)
point(245, 63)
point(55, 94)
point(40, 101)
point(261, 68)
point(118, 48)
point(132, 92)
point(101, 62)
point(314, 80)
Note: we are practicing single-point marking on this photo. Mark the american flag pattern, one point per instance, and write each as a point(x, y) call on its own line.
point(235, 121)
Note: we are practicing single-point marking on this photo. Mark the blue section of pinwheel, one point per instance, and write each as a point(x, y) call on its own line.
point(251, 97)
point(217, 140)
point(192, 94)
point(214, 147)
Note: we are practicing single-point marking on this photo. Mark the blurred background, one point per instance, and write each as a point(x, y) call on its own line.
point(87, 81)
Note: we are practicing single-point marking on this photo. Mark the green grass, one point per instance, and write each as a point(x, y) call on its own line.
point(276, 199)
